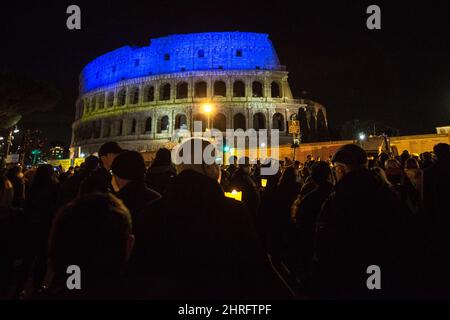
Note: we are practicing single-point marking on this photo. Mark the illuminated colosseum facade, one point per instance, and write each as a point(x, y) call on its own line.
point(142, 97)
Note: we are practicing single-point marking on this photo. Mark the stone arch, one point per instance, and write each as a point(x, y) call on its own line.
point(201, 117)
point(278, 121)
point(133, 126)
point(200, 89)
point(220, 88)
point(238, 89)
point(110, 100)
point(101, 100)
point(106, 129)
point(259, 121)
point(93, 103)
point(149, 93)
point(180, 121)
point(322, 130)
point(148, 125)
point(182, 90)
point(275, 89)
point(163, 124)
point(121, 127)
point(97, 129)
point(257, 89)
point(164, 93)
point(304, 128)
point(239, 121)
point(121, 97)
point(219, 122)
point(312, 126)
point(133, 95)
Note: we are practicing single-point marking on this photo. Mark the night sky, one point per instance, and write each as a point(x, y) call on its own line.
point(398, 75)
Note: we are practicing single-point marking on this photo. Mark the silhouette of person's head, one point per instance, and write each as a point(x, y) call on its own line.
point(320, 173)
point(163, 158)
point(107, 152)
point(91, 163)
point(199, 155)
point(442, 151)
point(126, 167)
point(347, 158)
point(44, 177)
point(94, 233)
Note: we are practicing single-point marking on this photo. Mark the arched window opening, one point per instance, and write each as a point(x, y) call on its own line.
point(220, 89)
point(106, 129)
point(149, 94)
point(163, 124)
point(121, 95)
point(134, 95)
point(200, 89)
point(219, 122)
point(278, 121)
point(238, 89)
point(180, 121)
point(259, 121)
point(133, 126)
point(204, 123)
point(275, 91)
point(239, 122)
point(257, 89)
point(165, 92)
point(110, 100)
point(148, 125)
point(101, 101)
point(182, 90)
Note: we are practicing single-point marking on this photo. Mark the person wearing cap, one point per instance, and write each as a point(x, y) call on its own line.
point(128, 181)
point(196, 243)
point(359, 226)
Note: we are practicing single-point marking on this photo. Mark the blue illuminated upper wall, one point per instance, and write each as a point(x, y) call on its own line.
point(183, 52)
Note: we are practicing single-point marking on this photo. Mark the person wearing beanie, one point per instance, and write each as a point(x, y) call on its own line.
point(128, 170)
point(359, 225)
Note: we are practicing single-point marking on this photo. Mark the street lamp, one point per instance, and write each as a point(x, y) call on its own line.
point(207, 108)
point(362, 136)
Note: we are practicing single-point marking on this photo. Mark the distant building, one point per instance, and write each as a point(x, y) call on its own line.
point(56, 152)
point(142, 97)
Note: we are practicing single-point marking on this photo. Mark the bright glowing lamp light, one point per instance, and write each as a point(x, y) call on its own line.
point(207, 108)
point(262, 145)
point(82, 155)
point(362, 136)
point(1, 138)
point(226, 148)
point(16, 130)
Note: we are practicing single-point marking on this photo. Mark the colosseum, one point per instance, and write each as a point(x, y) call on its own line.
point(142, 97)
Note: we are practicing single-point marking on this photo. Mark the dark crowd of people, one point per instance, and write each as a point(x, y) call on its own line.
point(310, 231)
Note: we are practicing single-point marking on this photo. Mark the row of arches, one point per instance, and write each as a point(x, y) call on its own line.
point(126, 127)
point(239, 89)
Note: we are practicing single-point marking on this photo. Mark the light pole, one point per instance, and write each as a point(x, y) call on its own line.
point(207, 108)
point(10, 139)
